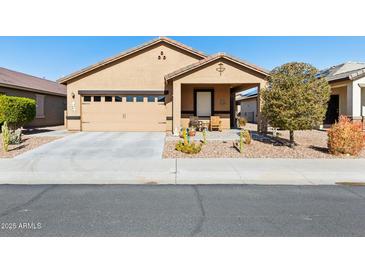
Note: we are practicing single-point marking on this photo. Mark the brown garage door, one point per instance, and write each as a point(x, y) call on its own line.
point(123, 113)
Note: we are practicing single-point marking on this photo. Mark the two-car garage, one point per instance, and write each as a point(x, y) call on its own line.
point(115, 111)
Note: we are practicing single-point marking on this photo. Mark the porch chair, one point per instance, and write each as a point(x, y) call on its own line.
point(215, 123)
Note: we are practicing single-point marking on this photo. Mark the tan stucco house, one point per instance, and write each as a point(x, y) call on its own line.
point(157, 87)
point(347, 83)
point(50, 96)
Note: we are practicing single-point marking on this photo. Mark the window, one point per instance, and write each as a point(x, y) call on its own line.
point(139, 99)
point(118, 99)
point(161, 99)
point(129, 99)
point(151, 99)
point(97, 98)
point(108, 99)
point(39, 106)
point(87, 98)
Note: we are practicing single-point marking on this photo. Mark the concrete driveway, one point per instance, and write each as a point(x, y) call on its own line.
point(92, 157)
point(103, 146)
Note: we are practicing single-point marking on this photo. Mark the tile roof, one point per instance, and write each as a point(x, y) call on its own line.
point(212, 58)
point(348, 70)
point(131, 51)
point(25, 81)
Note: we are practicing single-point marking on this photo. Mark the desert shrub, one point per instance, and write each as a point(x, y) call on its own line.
point(242, 122)
point(247, 137)
point(15, 137)
point(5, 134)
point(295, 99)
point(16, 111)
point(345, 137)
point(189, 148)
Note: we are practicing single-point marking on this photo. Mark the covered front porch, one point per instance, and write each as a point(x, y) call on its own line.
point(201, 101)
point(208, 88)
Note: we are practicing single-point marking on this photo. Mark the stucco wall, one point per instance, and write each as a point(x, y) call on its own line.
point(140, 71)
point(54, 106)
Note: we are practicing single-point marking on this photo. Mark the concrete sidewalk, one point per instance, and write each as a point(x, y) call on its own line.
point(182, 171)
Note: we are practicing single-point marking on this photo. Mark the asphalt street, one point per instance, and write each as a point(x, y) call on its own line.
point(181, 210)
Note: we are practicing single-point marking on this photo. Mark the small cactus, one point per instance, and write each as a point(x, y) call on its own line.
point(204, 136)
point(5, 136)
point(241, 141)
point(185, 136)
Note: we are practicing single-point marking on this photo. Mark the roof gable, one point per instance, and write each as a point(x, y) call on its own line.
point(129, 52)
point(213, 58)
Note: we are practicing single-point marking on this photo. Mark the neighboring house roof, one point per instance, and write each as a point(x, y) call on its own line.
point(247, 95)
point(15, 79)
point(345, 71)
point(213, 58)
point(131, 51)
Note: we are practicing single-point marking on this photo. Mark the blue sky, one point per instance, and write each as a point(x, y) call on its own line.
point(54, 57)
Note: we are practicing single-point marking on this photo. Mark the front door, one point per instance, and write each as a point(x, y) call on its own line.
point(203, 103)
point(332, 110)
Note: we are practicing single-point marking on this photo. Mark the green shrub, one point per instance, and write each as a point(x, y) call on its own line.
point(16, 111)
point(5, 134)
point(242, 122)
point(345, 137)
point(189, 148)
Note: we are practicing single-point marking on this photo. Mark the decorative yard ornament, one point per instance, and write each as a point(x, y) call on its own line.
point(220, 68)
point(176, 132)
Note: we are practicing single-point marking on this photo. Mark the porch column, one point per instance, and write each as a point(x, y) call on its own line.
point(354, 101)
point(176, 107)
point(261, 121)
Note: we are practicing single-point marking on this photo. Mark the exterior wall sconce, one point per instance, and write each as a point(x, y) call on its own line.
point(73, 104)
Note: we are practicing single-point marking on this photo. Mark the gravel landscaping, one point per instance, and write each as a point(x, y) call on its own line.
point(28, 143)
point(310, 144)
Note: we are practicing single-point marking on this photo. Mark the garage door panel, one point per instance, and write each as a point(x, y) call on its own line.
point(123, 116)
